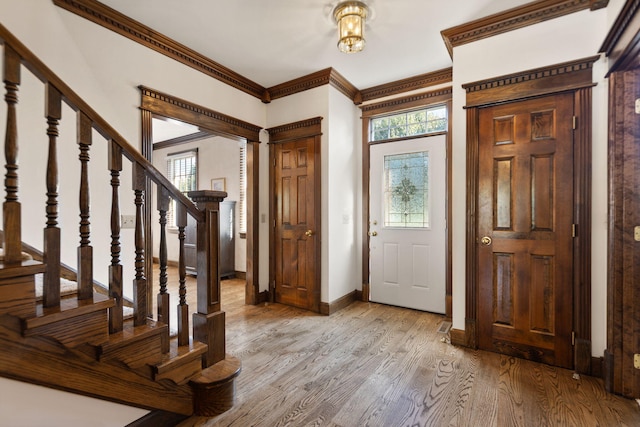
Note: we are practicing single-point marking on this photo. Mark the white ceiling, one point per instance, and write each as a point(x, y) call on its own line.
point(274, 41)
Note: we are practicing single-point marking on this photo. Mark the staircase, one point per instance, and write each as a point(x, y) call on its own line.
point(82, 342)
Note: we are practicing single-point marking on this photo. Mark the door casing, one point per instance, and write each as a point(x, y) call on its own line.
point(434, 97)
point(310, 128)
point(574, 77)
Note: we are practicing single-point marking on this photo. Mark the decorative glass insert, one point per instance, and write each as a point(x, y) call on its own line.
point(406, 190)
point(411, 123)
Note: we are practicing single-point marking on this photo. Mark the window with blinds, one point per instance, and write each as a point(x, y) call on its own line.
point(182, 171)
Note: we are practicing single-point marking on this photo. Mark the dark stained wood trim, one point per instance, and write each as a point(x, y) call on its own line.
point(263, 296)
point(582, 242)
point(458, 337)
point(301, 129)
point(147, 149)
point(329, 308)
point(622, 44)
point(555, 78)
point(513, 19)
point(158, 418)
point(154, 102)
point(405, 85)
point(196, 136)
point(623, 251)
point(366, 165)
point(516, 90)
point(170, 106)
point(115, 21)
point(252, 289)
point(449, 231)
point(313, 80)
point(471, 262)
point(412, 101)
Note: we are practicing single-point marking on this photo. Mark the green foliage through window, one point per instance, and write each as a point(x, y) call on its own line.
point(411, 123)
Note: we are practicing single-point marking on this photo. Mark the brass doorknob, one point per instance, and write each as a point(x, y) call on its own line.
point(486, 240)
point(308, 233)
point(373, 233)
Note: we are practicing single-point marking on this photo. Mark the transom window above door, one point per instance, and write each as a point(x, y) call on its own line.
point(409, 123)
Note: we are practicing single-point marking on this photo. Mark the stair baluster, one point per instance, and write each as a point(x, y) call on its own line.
point(163, 295)
point(51, 242)
point(86, 346)
point(85, 250)
point(139, 282)
point(11, 207)
point(115, 269)
point(183, 307)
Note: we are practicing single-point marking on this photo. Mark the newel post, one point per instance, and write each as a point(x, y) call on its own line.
point(209, 321)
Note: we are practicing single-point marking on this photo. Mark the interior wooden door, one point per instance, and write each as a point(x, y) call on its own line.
point(297, 223)
point(525, 221)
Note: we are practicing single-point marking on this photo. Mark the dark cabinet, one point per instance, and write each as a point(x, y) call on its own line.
point(227, 242)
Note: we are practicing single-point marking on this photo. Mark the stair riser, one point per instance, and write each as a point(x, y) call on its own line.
point(90, 327)
point(138, 354)
point(17, 296)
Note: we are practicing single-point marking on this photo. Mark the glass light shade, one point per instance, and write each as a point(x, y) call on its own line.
point(351, 17)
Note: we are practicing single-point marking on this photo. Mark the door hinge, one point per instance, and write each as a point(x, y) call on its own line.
point(575, 123)
point(573, 338)
point(574, 229)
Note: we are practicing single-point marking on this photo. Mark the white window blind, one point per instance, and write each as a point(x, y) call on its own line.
point(182, 171)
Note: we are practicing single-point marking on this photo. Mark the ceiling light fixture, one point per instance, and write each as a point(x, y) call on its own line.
point(350, 17)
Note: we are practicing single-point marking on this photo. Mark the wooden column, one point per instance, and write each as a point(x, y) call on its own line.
point(11, 207)
point(85, 250)
point(252, 287)
point(51, 240)
point(208, 322)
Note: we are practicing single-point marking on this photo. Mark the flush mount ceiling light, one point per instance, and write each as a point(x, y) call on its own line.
point(350, 17)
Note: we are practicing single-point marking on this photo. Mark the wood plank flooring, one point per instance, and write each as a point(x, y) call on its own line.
point(376, 365)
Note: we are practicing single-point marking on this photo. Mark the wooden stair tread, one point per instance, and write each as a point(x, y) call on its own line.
point(218, 373)
point(68, 308)
point(23, 268)
point(131, 333)
point(180, 354)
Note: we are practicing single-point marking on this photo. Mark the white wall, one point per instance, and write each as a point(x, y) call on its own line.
point(571, 37)
point(105, 69)
point(218, 157)
point(343, 245)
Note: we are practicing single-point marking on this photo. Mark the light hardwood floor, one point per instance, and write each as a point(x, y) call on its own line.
point(376, 365)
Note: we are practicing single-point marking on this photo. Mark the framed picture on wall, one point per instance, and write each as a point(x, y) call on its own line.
point(219, 184)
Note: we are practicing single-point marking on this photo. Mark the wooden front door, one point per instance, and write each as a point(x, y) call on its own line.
point(297, 223)
point(525, 220)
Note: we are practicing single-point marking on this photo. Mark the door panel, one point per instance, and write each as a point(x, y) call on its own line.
point(296, 224)
point(525, 217)
point(407, 223)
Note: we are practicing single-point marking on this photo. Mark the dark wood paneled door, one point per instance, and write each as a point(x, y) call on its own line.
point(525, 220)
point(297, 224)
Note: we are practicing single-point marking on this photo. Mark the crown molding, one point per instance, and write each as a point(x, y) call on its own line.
point(115, 21)
point(405, 85)
point(622, 44)
point(513, 19)
point(411, 101)
point(313, 80)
